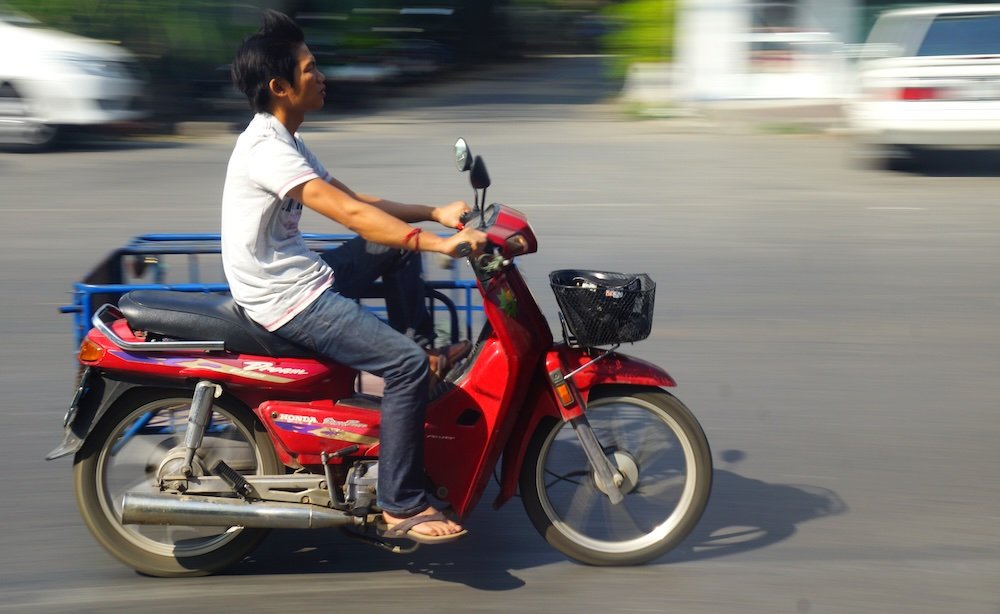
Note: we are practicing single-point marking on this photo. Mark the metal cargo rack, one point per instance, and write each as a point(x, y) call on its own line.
point(193, 263)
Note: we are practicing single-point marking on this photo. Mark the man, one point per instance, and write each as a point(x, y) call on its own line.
point(293, 292)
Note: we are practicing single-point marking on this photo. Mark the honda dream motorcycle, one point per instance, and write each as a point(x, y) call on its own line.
point(195, 431)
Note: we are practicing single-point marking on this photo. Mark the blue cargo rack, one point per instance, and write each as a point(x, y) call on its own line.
point(143, 264)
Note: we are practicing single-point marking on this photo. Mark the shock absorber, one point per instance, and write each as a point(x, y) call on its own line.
point(201, 411)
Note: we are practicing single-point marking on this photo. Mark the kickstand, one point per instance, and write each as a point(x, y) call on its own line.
point(378, 543)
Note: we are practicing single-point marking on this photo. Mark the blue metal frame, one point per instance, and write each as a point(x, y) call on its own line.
point(107, 281)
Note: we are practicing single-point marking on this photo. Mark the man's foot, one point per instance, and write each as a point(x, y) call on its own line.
point(428, 527)
point(444, 358)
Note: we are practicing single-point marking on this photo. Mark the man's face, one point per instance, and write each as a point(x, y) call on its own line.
point(309, 91)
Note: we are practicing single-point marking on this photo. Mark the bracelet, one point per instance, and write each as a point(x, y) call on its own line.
point(413, 233)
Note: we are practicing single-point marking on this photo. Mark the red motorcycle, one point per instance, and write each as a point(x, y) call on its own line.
point(195, 431)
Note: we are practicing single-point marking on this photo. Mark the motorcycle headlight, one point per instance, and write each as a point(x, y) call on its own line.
point(516, 245)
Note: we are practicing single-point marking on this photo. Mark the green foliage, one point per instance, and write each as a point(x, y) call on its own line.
point(641, 31)
point(190, 30)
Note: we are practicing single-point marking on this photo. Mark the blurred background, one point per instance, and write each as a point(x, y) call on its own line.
point(166, 60)
point(836, 330)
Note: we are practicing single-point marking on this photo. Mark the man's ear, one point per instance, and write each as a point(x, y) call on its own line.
point(278, 87)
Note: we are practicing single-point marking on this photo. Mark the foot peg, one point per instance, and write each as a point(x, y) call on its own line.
point(232, 477)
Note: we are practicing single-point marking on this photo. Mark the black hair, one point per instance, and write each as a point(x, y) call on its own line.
point(267, 54)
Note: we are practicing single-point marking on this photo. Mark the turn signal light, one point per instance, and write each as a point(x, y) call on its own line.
point(90, 351)
point(561, 386)
point(565, 396)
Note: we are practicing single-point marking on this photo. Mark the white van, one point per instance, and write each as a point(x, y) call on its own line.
point(929, 78)
point(51, 79)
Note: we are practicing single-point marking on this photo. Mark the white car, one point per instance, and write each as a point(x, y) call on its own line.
point(929, 78)
point(51, 79)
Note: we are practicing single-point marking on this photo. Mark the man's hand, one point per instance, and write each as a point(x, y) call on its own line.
point(475, 238)
point(450, 215)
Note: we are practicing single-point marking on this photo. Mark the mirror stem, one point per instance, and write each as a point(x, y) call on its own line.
point(482, 211)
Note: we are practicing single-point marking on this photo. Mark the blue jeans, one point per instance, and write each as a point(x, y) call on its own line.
point(337, 327)
point(358, 263)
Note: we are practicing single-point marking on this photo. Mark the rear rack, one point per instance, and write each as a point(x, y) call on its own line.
point(150, 262)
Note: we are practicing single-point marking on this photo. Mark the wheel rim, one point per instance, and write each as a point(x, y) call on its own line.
point(654, 456)
point(133, 452)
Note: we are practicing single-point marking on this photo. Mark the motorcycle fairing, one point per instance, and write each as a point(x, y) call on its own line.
point(614, 369)
point(314, 427)
point(472, 421)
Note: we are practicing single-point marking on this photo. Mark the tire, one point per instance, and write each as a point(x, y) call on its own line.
point(658, 446)
point(113, 460)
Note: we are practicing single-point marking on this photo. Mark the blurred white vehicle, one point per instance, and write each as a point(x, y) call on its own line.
point(929, 77)
point(51, 79)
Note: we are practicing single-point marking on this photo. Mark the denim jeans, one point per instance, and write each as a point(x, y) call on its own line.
point(337, 327)
point(358, 263)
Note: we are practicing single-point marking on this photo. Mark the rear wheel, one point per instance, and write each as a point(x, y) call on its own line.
point(660, 450)
point(125, 452)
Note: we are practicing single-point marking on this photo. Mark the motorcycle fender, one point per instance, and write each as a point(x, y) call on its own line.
point(614, 369)
point(100, 393)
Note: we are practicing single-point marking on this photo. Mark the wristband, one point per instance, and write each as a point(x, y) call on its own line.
point(413, 233)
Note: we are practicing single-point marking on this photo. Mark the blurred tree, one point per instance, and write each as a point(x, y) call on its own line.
point(180, 43)
point(639, 31)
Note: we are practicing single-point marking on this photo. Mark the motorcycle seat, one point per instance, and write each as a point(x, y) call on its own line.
point(203, 317)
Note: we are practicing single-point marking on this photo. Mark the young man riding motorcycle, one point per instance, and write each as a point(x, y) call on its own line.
point(305, 298)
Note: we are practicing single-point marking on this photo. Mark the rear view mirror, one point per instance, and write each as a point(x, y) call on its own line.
point(479, 177)
point(463, 156)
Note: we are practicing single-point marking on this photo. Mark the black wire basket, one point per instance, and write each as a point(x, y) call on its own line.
point(600, 308)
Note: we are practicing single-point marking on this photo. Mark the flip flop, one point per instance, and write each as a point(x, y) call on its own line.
point(402, 529)
point(442, 359)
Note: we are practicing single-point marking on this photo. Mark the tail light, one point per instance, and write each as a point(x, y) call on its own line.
point(919, 93)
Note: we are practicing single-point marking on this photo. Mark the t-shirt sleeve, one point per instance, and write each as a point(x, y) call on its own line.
point(278, 167)
point(316, 164)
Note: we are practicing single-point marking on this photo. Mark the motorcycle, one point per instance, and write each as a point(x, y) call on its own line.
point(195, 431)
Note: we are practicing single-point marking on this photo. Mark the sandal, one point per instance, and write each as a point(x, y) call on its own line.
point(441, 360)
point(403, 529)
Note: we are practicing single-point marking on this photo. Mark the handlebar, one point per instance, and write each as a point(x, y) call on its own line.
point(467, 216)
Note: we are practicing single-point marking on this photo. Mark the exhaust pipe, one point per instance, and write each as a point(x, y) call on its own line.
point(140, 508)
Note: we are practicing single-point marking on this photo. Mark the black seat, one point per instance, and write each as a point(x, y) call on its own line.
point(203, 317)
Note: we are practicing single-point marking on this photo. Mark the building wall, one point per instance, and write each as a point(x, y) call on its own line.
point(740, 49)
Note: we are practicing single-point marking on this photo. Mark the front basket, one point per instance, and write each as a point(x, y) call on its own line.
point(600, 308)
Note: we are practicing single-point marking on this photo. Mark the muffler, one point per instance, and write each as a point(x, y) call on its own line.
point(143, 508)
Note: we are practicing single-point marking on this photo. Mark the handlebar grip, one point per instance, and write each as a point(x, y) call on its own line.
point(464, 249)
point(467, 216)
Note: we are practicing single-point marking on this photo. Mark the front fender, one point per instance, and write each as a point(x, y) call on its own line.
point(614, 369)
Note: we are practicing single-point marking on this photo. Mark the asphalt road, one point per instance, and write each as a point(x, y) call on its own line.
point(836, 331)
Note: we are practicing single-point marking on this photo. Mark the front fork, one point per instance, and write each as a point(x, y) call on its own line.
point(573, 409)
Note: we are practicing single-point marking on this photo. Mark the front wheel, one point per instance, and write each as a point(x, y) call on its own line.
point(661, 452)
point(131, 445)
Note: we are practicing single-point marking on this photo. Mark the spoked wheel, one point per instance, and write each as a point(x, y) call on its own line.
point(661, 452)
point(140, 438)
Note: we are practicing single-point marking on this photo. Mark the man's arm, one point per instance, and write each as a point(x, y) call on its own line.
point(411, 214)
point(376, 224)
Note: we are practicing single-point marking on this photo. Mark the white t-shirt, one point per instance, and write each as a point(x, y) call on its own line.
point(271, 271)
